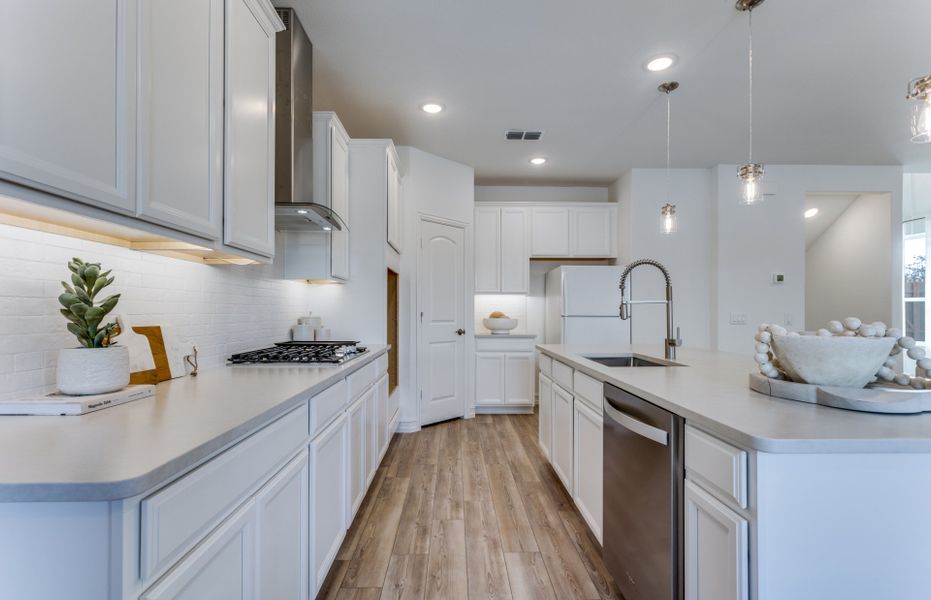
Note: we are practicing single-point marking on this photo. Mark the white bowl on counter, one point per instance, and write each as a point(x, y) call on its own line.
point(499, 326)
point(831, 360)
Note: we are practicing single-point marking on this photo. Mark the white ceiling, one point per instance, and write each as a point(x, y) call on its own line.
point(830, 81)
point(830, 207)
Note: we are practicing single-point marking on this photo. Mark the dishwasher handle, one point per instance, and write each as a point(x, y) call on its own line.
point(655, 434)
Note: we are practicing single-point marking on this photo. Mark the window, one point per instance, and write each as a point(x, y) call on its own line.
point(914, 259)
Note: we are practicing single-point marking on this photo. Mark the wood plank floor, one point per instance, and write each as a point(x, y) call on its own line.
point(468, 509)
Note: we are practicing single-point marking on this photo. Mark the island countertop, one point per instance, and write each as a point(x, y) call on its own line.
point(129, 449)
point(711, 391)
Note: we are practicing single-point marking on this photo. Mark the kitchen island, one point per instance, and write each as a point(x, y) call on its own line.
point(241, 478)
point(782, 499)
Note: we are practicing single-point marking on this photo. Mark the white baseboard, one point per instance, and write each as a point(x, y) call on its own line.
point(408, 426)
point(525, 409)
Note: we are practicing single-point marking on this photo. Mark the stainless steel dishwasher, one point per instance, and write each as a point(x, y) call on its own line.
point(643, 505)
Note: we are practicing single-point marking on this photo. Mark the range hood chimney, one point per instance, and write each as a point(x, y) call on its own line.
point(295, 209)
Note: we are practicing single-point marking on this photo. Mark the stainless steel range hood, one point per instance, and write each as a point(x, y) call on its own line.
point(295, 208)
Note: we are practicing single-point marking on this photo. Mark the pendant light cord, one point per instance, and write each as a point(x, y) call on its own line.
point(668, 129)
point(750, 62)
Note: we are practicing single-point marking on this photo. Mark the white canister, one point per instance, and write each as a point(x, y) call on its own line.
point(323, 334)
point(84, 371)
point(302, 333)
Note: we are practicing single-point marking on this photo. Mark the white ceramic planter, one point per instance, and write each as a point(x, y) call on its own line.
point(83, 371)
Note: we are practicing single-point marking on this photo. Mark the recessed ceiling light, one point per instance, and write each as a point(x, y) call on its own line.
point(538, 160)
point(811, 212)
point(661, 62)
point(431, 108)
point(301, 211)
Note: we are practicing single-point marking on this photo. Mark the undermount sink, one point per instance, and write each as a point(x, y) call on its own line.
point(631, 360)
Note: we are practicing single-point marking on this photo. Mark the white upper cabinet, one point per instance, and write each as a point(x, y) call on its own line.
point(501, 249)
point(249, 199)
point(68, 109)
point(180, 145)
point(591, 231)
point(326, 254)
point(339, 202)
point(550, 237)
point(394, 201)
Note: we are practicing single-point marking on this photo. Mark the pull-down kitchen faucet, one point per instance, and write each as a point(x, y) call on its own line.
point(670, 343)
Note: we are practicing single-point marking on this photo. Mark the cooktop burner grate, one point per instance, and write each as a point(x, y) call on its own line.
point(316, 353)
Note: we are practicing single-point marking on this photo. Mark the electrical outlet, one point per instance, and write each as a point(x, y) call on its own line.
point(788, 319)
point(738, 318)
point(779, 278)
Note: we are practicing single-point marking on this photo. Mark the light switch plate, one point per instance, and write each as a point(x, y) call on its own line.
point(738, 318)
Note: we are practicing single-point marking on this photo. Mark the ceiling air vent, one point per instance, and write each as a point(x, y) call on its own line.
point(519, 134)
point(285, 16)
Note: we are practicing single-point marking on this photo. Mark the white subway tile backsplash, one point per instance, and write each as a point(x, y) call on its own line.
point(220, 309)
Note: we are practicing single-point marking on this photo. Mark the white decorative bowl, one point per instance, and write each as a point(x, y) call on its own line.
point(844, 361)
point(499, 326)
point(83, 371)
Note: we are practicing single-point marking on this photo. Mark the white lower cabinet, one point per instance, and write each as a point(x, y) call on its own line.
point(545, 417)
point(561, 454)
point(588, 453)
point(384, 416)
point(716, 548)
point(372, 419)
point(357, 451)
point(282, 518)
point(489, 378)
point(504, 373)
point(222, 567)
point(328, 493)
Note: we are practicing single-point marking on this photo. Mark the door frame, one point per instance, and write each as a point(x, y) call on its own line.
point(468, 308)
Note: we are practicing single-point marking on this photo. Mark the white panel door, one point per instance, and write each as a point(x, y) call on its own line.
point(249, 201)
point(561, 451)
point(589, 477)
point(487, 249)
point(394, 202)
point(328, 498)
point(591, 233)
point(356, 458)
point(339, 202)
point(67, 110)
point(550, 229)
point(716, 550)
point(441, 301)
point(515, 252)
point(222, 567)
point(281, 531)
point(489, 378)
point(518, 387)
point(545, 420)
point(180, 152)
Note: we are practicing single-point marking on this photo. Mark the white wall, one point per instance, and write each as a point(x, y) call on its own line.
point(541, 193)
point(437, 187)
point(220, 309)
point(847, 268)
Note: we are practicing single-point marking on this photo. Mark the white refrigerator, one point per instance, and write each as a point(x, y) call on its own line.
point(582, 306)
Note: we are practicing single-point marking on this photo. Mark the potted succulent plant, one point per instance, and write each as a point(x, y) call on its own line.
point(97, 366)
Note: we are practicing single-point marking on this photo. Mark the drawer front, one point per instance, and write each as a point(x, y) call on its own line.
point(175, 518)
point(326, 405)
point(590, 390)
point(361, 380)
point(503, 343)
point(546, 365)
point(562, 374)
point(381, 365)
point(718, 466)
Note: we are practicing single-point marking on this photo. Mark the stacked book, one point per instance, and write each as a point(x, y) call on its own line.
point(59, 404)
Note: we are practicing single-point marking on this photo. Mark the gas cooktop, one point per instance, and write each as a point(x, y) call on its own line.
point(309, 353)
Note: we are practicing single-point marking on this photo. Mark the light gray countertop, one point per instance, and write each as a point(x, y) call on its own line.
point(129, 449)
point(712, 392)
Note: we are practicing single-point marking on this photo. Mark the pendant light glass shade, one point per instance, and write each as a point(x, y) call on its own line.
point(751, 184)
point(669, 221)
point(750, 174)
point(919, 93)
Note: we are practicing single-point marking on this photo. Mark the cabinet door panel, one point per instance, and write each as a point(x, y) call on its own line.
point(281, 512)
point(384, 416)
point(67, 113)
point(371, 433)
point(222, 567)
point(487, 250)
point(394, 203)
point(357, 451)
point(489, 378)
point(339, 198)
point(591, 234)
point(328, 498)
point(518, 385)
point(716, 558)
point(550, 231)
point(180, 153)
point(546, 414)
point(249, 219)
point(562, 435)
point(515, 257)
point(588, 466)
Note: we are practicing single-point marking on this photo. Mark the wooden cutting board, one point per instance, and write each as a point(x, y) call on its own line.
point(162, 370)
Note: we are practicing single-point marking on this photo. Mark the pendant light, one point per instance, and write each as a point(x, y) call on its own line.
point(668, 211)
point(750, 174)
point(919, 92)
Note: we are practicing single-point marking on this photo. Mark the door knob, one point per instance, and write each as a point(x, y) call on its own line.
point(460, 331)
